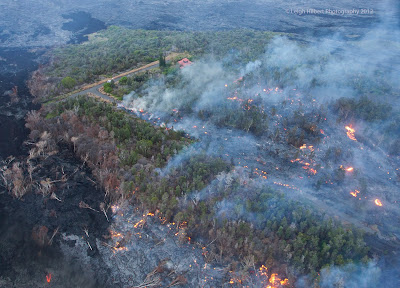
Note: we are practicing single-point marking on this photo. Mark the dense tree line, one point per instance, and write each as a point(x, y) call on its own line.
point(117, 49)
point(270, 229)
point(362, 108)
point(124, 151)
point(105, 138)
point(136, 82)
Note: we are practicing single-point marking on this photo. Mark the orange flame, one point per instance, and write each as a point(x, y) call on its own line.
point(263, 270)
point(115, 234)
point(354, 194)
point(272, 279)
point(378, 202)
point(350, 133)
point(48, 278)
point(285, 281)
point(349, 169)
point(140, 223)
point(313, 171)
point(120, 248)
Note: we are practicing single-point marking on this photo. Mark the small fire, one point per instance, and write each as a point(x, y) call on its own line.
point(285, 281)
point(48, 278)
point(350, 169)
point(350, 133)
point(313, 171)
point(274, 280)
point(119, 248)
point(378, 202)
point(116, 235)
point(354, 194)
point(139, 224)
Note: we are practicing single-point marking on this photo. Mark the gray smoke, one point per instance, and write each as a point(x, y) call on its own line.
point(349, 276)
point(325, 69)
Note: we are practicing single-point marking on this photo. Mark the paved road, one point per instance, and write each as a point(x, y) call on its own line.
point(94, 89)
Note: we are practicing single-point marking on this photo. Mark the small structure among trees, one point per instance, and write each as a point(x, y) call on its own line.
point(184, 62)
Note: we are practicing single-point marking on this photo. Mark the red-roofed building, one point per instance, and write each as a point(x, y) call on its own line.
point(184, 62)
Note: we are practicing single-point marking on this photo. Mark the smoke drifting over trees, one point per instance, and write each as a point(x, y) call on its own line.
point(314, 89)
point(272, 149)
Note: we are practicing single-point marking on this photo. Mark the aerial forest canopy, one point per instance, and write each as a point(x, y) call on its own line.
point(250, 147)
point(200, 144)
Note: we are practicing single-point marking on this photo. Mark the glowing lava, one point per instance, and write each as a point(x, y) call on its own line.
point(48, 278)
point(350, 133)
point(378, 202)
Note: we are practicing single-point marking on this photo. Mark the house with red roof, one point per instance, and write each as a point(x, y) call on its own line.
point(184, 62)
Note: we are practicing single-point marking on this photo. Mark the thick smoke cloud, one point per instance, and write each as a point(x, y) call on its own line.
point(203, 80)
point(327, 69)
point(349, 66)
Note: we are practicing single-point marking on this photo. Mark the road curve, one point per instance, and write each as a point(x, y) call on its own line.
point(93, 89)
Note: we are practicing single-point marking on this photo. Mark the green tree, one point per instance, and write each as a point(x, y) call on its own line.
point(123, 80)
point(163, 62)
point(107, 87)
point(68, 82)
point(144, 147)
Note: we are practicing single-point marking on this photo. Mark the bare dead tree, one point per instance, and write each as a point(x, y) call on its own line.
point(20, 187)
point(54, 234)
point(46, 186)
point(85, 229)
point(83, 205)
point(179, 280)
point(5, 176)
point(150, 282)
point(33, 120)
point(54, 196)
point(31, 168)
point(85, 159)
point(74, 140)
point(102, 208)
point(248, 262)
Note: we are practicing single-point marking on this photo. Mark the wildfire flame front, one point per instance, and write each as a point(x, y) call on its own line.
point(350, 133)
